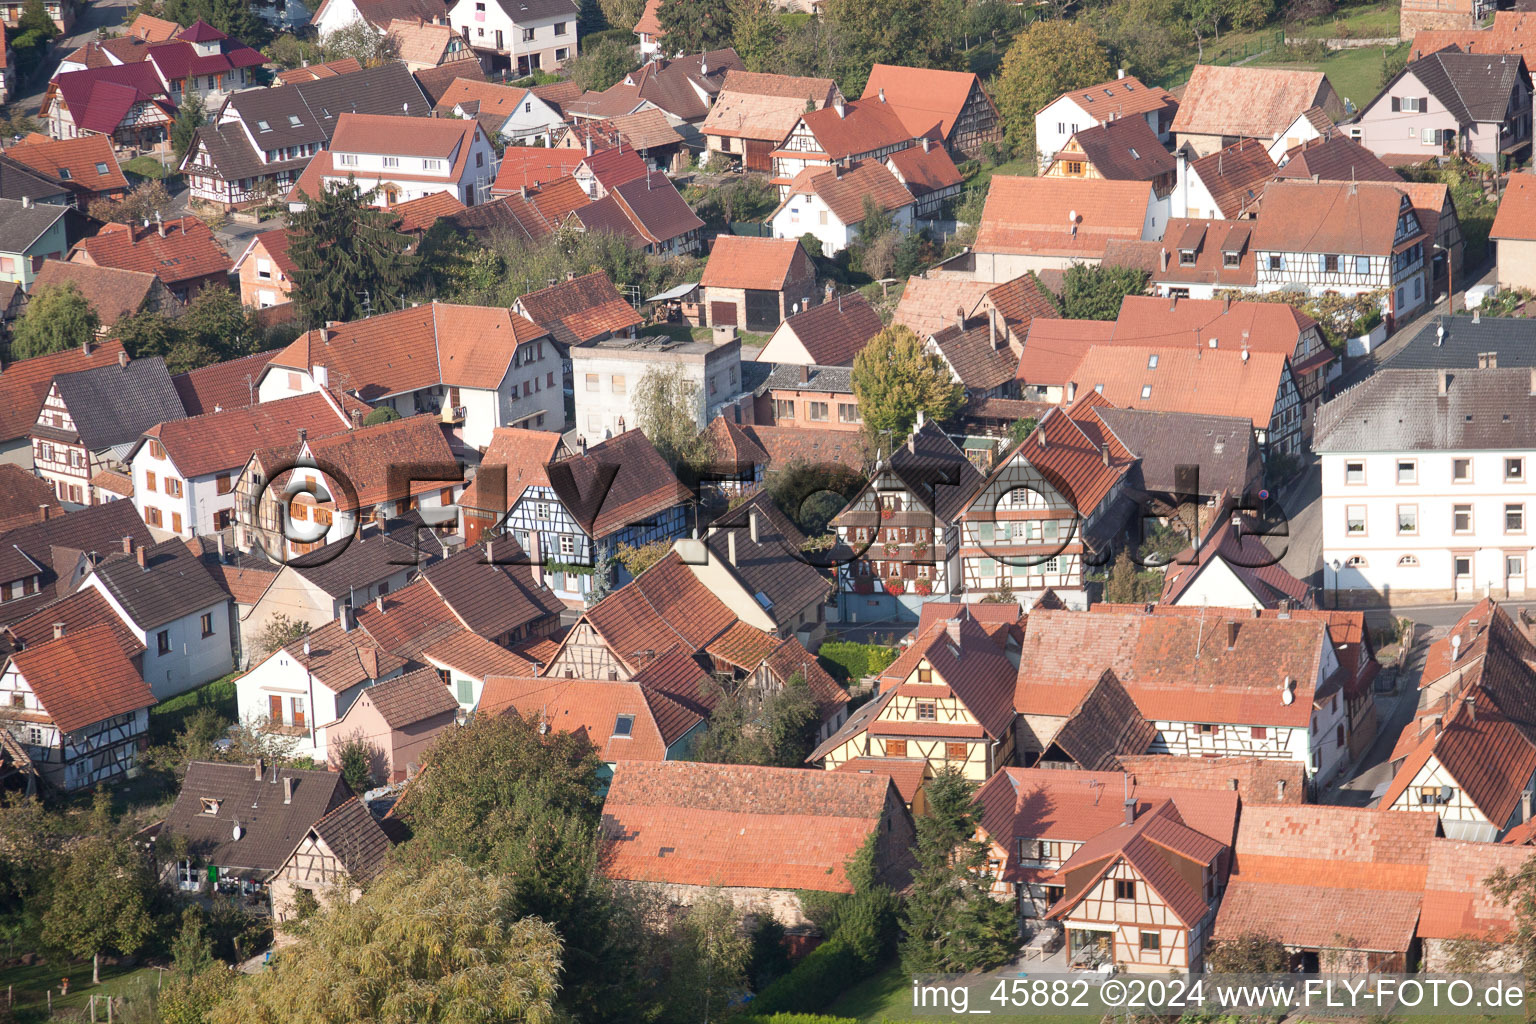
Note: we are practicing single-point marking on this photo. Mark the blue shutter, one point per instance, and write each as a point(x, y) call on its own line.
point(1322, 263)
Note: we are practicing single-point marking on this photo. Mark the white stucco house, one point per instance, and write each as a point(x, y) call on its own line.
point(829, 204)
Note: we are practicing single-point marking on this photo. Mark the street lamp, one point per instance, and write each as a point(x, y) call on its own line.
point(1337, 565)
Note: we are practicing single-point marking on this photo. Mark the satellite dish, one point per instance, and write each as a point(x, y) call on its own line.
point(1071, 216)
point(237, 831)
point(1287, 697)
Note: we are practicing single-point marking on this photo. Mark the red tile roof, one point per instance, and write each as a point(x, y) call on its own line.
point(738, 825)
point(82, 610)
point(583, 309)
point(187, 251)
point(970, 665)
point(1516, 217)
point(340, 659)
point(100, 98)
point(836, 331)
point(925, 170)
point(1061, 449)
point(362, 466)
point(530, 166)
point(221, 385)
point(471, 654)
point(22, 497)
point(310, 72)
point(76, 162)
point(1260, 780)
point(1457, 903)
point(621, 481)
point(844, 191)
point(592, 709)
point(907, 773)
point(1121, 97)
point(859, 127)
point(24, 384)
point(83, 678)
point(522, 454)
point(112, 293)
point(219, 441)
point(1030, 215)
point(1236, 176)
point(740, 261)
point(1329, 216)
point(923, 98)
point(417, 215)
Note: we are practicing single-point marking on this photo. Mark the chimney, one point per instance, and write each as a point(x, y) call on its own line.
point(303, 435)
point(122, 360)
point(490, 552)
point(1071, 391)
point(535, 558)
point(921, 419)
point(1477, 314)
point(752, 525)
point(1442, 382)
point(927, 143)
point(582, 441)
point(837, 105)
point(378, 603)
point(321, 375)
point(368, 657)
point(992, 327)
point(26, 202)
point(159, 224)
point(1104, 454)
point(218, 539)
point(138, 553)
point(1232, 784)
point(43, 512)
point(1120, 73)
point(1130, 811)
point(805, 374)
point(348, 617)
point(127, 545)
point(1231, 634)
point(1163, 259)
point(287, 789)
point(730, 546)
point(86, 347)
point(259, 766)
point(1472, 708)
point(882, 94)
point(1279, 789)
point(58, 630)
point(589, 144)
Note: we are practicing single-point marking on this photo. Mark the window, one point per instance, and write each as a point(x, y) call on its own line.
point(1277, 263)
point(1461, 470)
point(347, 159)
point(591, 382)
point(206, 622)
point(163, 642)
point(210, 805)
point(927, 711)
point(559, 28)
point(1514, 518)
point(431, 165)
point(1408, 561)
point(173, 487)
point(1514, 565)
point(157, 450)
point(618, 384)
point(1354, 472)
point(1461, 518)
point(153, 518)
point(957, 751)
point(1330, 263)
point(1186, 257)
point(1075, 168)
point(391, 161)
point(817, 412)
point(297, 706)
point(567, 544)
point(1354, 518)
point(847, 413)
point(64, 174)
point(149, 478)
point(527, 35)
point(895, 748)
point(1125, 889)
point(1514, 470)
point(1362, 265)
point(1151, 942)
point(18, 700)
point(1205, 729)
point(224, 483)
point(101, 168)
point(1407, 519)
point(1231, 259)
point(924, 674)
point(624, 725)
point(784, 408)
point(1407, 471)
point(1146, 391)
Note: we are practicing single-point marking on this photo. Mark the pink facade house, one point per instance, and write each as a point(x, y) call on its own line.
point(399, 718)
point(1451, 102)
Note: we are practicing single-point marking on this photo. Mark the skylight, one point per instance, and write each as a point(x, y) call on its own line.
point(1146, 391)
point(64, 173)
point(293, 119)
point(764, 600)
point(262, 126)
point(1152, 361)
point(624, 725)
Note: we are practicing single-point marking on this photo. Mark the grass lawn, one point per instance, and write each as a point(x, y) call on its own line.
point(1366, 21)
point(888, 997)
point(1355, 74)
point(147, 166)
point(167, 717)
point(30, 986)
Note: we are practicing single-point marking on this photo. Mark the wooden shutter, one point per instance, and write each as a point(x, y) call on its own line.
point(895, 748)
point(1423, 104)
point(1397, 105)
point(275, 709)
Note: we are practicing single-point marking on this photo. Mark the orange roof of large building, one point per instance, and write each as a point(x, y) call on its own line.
point(519, 457)
point(689, 823)
point(219, 441)
point(1220, 382)
point(1247, 101)
point(1330, 216)
point(856, 127)
point(185, 251)
point(1120, 97)
point(87, 163)
point(596, 709)
point(1034, 216)
point(740, 261)
point(410, 349)
point(1255, 780)
point(83, 678)
point(400, 134)
point(528, 167)
point(753, 105)
point(924, 99)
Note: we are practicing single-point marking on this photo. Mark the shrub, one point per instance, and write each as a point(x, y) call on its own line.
point(847, 660)
point(814, 983)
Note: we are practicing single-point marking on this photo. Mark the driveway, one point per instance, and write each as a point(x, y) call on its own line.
point(92, 19)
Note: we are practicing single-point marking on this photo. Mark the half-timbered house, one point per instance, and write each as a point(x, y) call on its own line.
point(1049, 511)
point(77, 705)
point(844, 133)
point(903, 528)
point(337, 855)
point(954, 102)
point(947, 699)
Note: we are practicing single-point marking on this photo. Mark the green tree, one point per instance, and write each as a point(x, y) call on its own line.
point(188, 120)
point(1392, 64)
point(636, 558)
point(894, 378)
point(668, 407)
point(104, 893)
point(278, 632)
point(868, 919)
point(1248, 953)
point(812, 493)
point(917, 33)
point(622, 13)
point(381, 414)
point(695, 26)
point(811, 243)
point(444, 945)
point(1045, 60)
point(347, 257)
point(1095, 292)
point(214, 327)
point(791, 720)
point(710, 958)
point(232, 17)
point(358, 760)
point(1021, 429)
point(57, 317)
point(756, 35)
point(952, 923)
point(602, 65)
point(142, 203)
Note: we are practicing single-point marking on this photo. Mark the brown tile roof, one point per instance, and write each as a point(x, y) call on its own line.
point(390, 133)
point(790, 444)
point(642, 484)
point(187, 251)
point(673, 85)
point(580, 310)
point(907, 773)
point(1120, 98)
point(1126, 149)
point(51, 547)
point(1254, 102)
point(738, 825)
point(663, 608)
point(1067, 448)
point(1334, 157)
point(24, 384)
point(1018, 301)
point(1103, 727)
point(1064, 654)
point(1210, 241)
point(421, 42)
point(1260, 780)
point(1457, 903)
point(740, 261)
point(1322, 877)
point(473, 655)
point(531, 166)
point(970, 665)
point(356, 838)
point(557, 93)
point(217, 441)
point(341, 659)
point(412, 698)
point(83, 677)
point(733, 446)
point(270, 829)
point(930, 304)
point(1516, 217)
point(979, 354)
point(113, 293)
point(1307, 216)
point(861, 126)
point(492, 599)
point(1029, 215)
point(492, 98)
point(1245, 557)
point(22, 497)
point(592, 708)
point(753, 105)
point(227, 385)
point(522, 454)
point(76, 162)
point(1236, 176)
point(556, 199)
point(836, 331)
point(362, 466)
point(925, 169)
point(844, 191)
point(411, 620)
point(434, 81)
point(641, 131)
point(924, 98)
point(656, 208)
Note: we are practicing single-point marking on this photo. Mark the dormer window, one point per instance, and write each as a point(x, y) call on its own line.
point(210, 805)
point(1186, 257)
point(1231, 259)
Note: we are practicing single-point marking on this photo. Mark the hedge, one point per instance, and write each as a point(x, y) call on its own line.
point(793, 1018)
point(846, 660)
point(814, 982)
